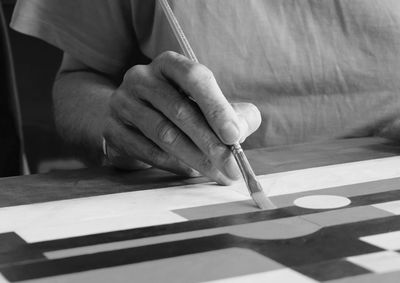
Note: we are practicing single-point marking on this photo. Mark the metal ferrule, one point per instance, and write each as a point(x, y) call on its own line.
point(248, 174)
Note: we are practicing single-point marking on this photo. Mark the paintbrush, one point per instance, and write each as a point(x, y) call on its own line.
point(249, 177)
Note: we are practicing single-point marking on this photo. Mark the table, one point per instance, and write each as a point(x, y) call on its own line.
point(105, 225)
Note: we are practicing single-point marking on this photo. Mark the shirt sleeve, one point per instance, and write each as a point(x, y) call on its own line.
point(97, 32)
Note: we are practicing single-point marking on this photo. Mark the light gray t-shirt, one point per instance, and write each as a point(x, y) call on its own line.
point(315, 69)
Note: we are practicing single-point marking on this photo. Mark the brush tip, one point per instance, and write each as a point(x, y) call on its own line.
point(262, 201)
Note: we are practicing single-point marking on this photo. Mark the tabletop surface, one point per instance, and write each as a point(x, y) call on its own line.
point(105, 180)
point(103, 225)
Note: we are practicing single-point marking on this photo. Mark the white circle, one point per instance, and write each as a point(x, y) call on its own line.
point(322, 202)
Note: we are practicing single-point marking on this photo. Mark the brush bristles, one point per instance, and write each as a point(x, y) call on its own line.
point(262, 200)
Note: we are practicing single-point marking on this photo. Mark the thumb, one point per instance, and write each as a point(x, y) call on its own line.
point(249, 118)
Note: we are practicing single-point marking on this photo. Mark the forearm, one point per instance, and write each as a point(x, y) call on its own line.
point(80, 106)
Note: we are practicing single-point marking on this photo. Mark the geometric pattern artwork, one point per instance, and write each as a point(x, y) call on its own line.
point(231, 246)
point(206, 233)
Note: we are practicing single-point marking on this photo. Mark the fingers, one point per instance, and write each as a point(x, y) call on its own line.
point(127, 148)
point(188, 119)
point(153, 122)
point(173, 141)
point(198, 82)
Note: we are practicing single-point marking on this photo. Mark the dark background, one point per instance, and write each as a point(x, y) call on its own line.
point(36, 64)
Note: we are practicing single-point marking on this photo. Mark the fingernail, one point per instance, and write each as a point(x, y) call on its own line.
point(194, 173)
point(232, 169)
point(221, 179)
point(229, 133)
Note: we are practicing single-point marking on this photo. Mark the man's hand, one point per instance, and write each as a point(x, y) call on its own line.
point(153, 119)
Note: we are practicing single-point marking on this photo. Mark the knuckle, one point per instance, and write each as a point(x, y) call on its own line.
point(170, 60)
point(215, 150)
point(182, 111)
point(168, 55)
point(217, 115)
point(214, 113)
point(136, 74)
point(198, 75)
point(166, 133)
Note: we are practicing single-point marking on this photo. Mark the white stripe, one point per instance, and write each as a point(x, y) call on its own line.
point(39, 233)
point(140, 207)
point(379, 262)
point(391, 207)
point(275, 276)
point(387, 241)
point(76, 217)
point(331, 176)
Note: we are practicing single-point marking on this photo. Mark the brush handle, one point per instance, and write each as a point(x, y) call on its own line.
point(248, 175)
point(178, 32)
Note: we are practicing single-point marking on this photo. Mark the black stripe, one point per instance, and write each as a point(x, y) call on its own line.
point(327, 244)
point(330, 270)
point(208, 223)
point(332, 243)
